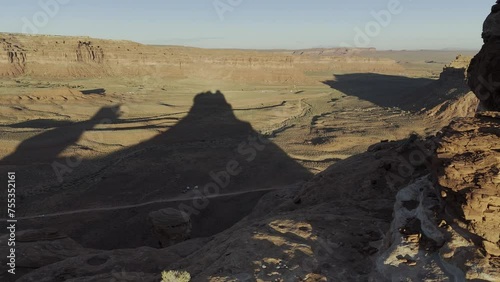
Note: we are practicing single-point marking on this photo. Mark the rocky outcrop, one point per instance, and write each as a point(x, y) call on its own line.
point(484, 76)
point(484, 70)
point(414, 234)
point(470, 176)
point(141, 264)
point(14, 58)
point(456, 70)
point(491, 26)
point(445, 225)
point(170, 226)
point(88, 53)
point(444, 97)
point(458, 107)
point(38, 248)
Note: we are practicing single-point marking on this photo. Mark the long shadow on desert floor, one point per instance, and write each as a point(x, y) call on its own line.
point(209, 147)
point(382, 90)
point(47, 146)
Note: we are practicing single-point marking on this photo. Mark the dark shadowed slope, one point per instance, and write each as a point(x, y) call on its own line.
point(209, 148)
point(382, 90)
point(47, 146)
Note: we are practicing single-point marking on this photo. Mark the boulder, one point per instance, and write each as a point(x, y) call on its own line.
point(170, 226)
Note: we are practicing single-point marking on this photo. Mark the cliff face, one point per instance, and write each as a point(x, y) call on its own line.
point(484, 70)
point(13, 58)
point(445, 225)
point(62, 57)
point(456, 70)
point(451, 231)
point(484, 76)
point(470, 175)
point(86, 52)
point(450, 97)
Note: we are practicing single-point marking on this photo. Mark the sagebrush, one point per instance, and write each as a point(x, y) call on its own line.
point(175, 276)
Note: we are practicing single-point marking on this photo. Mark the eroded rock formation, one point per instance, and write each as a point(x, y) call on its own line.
point(38, 248)
point(170, 226)
point(447, 226)
point(470, 176)
point(484, 70)
point(88, 53)
point(15, 57)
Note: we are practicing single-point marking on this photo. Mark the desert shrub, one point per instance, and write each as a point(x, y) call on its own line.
point(175, 276)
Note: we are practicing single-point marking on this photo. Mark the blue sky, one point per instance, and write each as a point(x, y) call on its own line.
point(262, 24)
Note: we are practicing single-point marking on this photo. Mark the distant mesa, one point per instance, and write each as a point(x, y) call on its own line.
point(332, 51)
point(47, 57)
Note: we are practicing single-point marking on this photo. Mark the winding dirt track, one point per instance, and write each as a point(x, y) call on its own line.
point(177, 199)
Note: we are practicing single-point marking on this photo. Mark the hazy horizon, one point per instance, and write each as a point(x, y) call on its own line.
point(243, 24)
